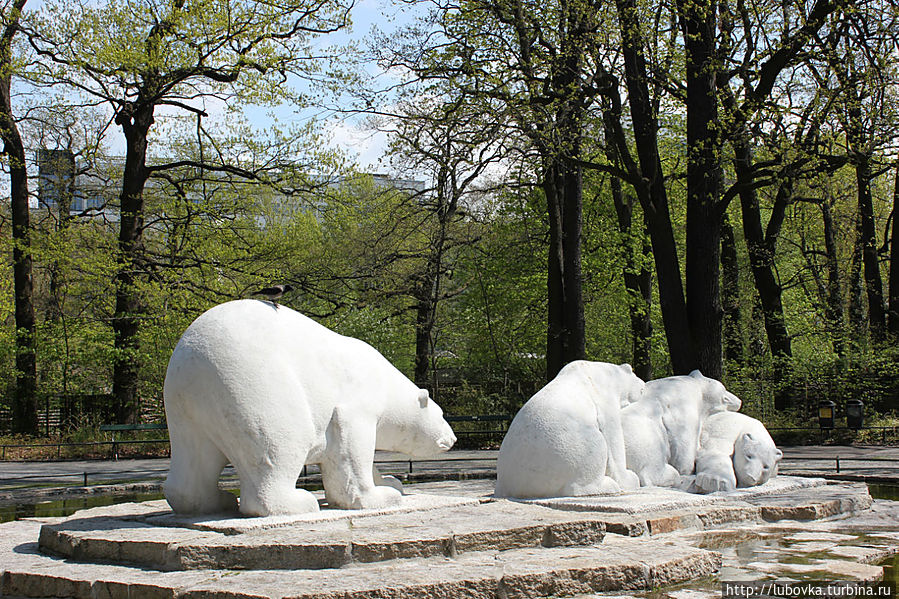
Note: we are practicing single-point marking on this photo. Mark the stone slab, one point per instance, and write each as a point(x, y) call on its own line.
point(468, 526)
point(652, 499)
point(130, 533)
point(828, 500)
point(231, 525)
point(617, 564)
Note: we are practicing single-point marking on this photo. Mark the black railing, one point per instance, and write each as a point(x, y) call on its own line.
point(469, 433)
point(836, 464)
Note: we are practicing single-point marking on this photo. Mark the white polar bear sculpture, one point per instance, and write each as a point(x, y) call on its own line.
point(736, 450)
point(271, 390)
point(567, 439)
point(662, 429)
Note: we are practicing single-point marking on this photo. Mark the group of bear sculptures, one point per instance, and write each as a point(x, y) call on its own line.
point(598, 428)
point(269, 390)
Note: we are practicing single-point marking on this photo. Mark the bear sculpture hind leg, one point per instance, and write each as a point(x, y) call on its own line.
point(348, 464)
point(192, 484)
point(273, 491)
point(593, 480)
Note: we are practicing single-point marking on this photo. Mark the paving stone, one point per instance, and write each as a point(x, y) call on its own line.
point(429, 526)
point(820, 536)
point(863, 553)
point(811, 546)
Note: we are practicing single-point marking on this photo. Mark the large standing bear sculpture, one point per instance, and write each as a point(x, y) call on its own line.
point(567, 439)
point(271, 390)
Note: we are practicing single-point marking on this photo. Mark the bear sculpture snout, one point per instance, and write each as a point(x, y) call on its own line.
point(447, 441)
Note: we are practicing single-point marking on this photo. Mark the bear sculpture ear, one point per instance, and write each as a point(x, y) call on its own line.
point(777, 455)
point(696, 374)
point(627, 367)
point(423, 397)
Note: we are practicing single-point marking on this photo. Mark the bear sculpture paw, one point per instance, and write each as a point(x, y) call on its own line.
point(709, 482)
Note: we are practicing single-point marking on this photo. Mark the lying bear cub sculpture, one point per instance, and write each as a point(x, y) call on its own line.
point(735, 451)
point(271, 390)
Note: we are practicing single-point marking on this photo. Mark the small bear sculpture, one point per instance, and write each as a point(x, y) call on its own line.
point(736, 450)
point(646, 444)
point(567, 439)
point(270, 390)
point(671, 413)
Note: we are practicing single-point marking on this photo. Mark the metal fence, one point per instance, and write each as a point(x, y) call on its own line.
point(481, 465)
point(473, 432)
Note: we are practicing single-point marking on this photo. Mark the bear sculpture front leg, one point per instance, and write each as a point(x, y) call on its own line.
point(714, 472)
point(348, 464)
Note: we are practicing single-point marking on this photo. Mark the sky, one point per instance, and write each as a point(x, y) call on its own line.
point(347, 133)
point(350, 133)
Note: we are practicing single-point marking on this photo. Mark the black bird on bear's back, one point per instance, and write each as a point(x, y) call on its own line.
point(273, 293)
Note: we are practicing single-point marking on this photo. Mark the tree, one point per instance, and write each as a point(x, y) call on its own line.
point(893, 303)
point(146, 58)
point(25, 403)
point(453, 146)
point(537, 69)
point(648, 173)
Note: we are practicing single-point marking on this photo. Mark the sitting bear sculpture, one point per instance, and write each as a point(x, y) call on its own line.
point(736, 450)
point(271, 390)
point(567, 439)
point(662, 429)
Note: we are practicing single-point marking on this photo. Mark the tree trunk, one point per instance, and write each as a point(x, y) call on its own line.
point(427, 296)
point(637, 281)
point(730, 294)
point(868, 235)
point(857, 318)
point(894, 262)
point(566, 333)
point(136, 124)
point(655, 198)
point(704, 313)
point(60, 184)
point(25, 400)
point(834, 304)
point(424, 325)
point(761, 246)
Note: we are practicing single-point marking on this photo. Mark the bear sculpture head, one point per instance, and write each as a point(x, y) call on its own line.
point(634, 388)
point(755, 459)
point(415, 427)
point(715, 397)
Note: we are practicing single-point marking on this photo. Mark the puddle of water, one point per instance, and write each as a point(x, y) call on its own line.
point(891, 574)
point(884, 491)
point(67, 507)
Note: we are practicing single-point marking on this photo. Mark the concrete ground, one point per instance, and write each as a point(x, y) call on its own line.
point(875, 463)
